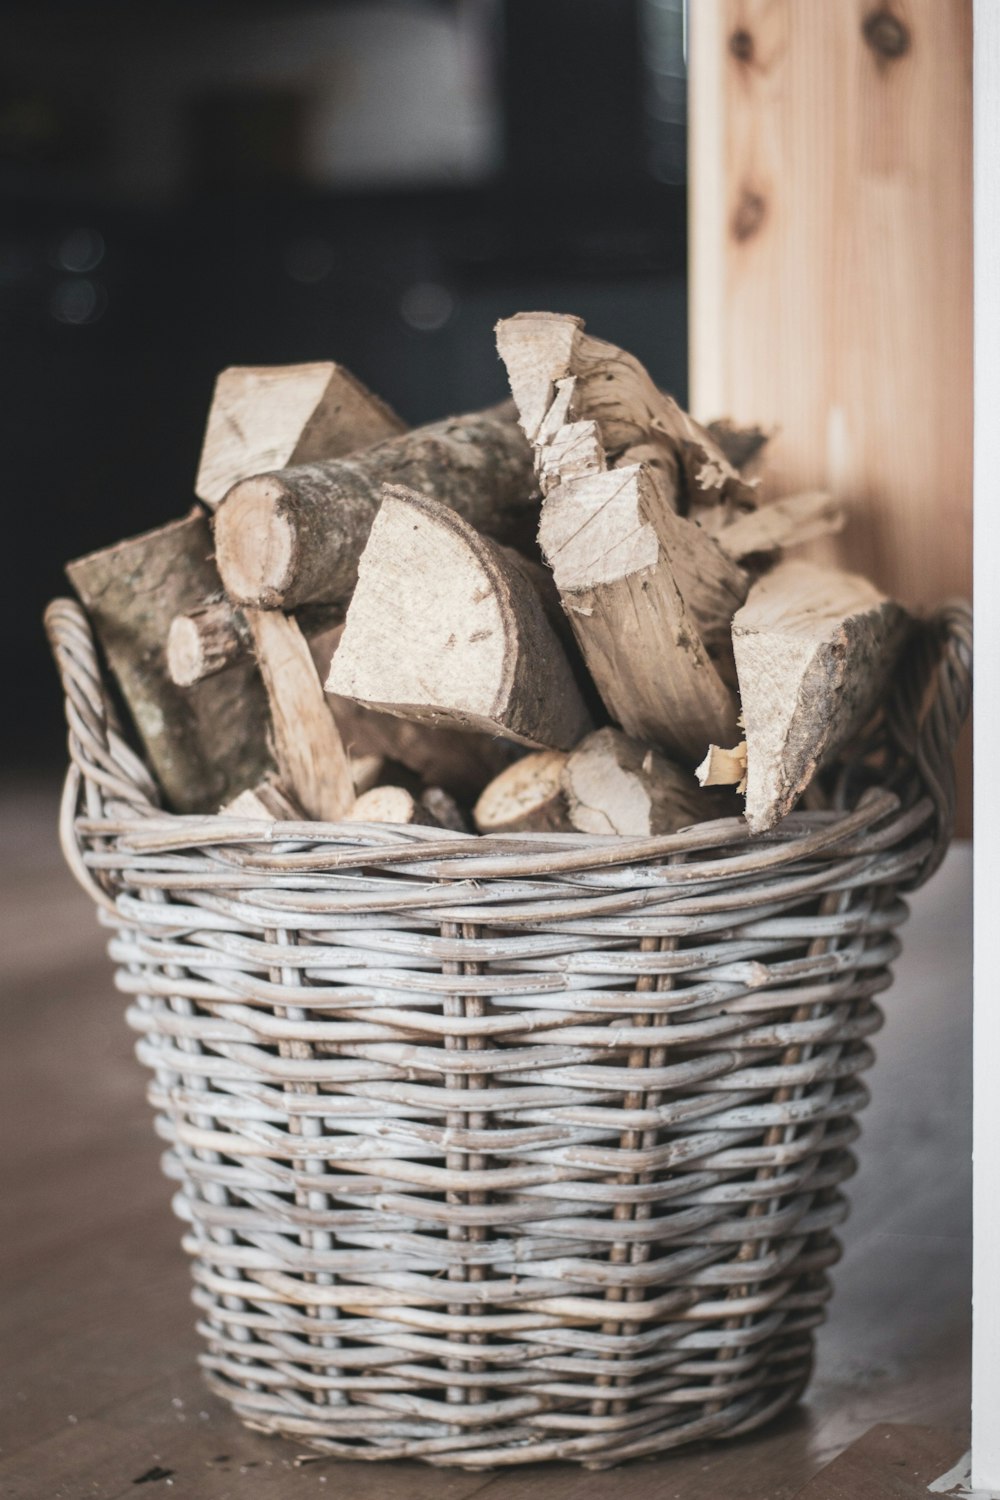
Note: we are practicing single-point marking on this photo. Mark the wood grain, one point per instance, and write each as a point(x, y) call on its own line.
point(831, 263)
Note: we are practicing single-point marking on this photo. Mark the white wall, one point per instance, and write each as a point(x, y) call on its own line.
point(986, 1075)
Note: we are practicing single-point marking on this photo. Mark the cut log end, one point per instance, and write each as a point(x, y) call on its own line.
point(526, 797)
point(389, 804)
point(255, 543)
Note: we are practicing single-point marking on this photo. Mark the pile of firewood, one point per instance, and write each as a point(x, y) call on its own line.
point(368, 623)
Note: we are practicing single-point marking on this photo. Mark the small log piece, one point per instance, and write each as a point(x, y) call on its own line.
point(309, 751)
point(527, 797)
point(295, 536)
point(560, 374)
point(204, 744)
point(613, 784)
point(650, 596)
point(389, 804)
point(265, 800)
point(264, 418)
point(815, 649)
point(443, 628)
point(211, 638)
point(443, 809)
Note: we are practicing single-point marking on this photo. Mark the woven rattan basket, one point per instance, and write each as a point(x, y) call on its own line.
point(493, 1150)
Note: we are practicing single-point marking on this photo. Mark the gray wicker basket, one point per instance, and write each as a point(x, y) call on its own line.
point(493, 1150)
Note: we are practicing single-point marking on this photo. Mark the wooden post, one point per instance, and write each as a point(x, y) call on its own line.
point(831, 265)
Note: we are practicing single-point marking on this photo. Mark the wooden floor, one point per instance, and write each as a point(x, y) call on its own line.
point(99, 1391)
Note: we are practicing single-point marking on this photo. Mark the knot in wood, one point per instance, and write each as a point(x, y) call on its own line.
point(741, 45)
point(749, 214)
point(886, 34)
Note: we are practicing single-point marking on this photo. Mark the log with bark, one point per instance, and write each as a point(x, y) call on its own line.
point(560, 374)
point(270, 417)
point(620, 556)
point(205, 744)
point(442, 628)
point(815, 649)
point(295, 536)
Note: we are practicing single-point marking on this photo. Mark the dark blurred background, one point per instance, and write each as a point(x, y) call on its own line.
point(188, 186)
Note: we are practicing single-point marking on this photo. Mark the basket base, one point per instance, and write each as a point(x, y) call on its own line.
point(637, 1434)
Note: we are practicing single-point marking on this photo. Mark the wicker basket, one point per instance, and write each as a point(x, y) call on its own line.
point(493, 1150)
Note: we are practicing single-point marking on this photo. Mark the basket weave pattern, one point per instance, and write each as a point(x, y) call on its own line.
point(492, 1150)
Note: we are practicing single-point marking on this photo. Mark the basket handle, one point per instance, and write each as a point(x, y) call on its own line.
point(929, 705)
point(103, 768)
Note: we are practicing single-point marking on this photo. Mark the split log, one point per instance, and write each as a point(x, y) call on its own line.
point(211, 638)
point(724, 767)
point(443, 628)
point(205, 744)
point(815, 650)
point(456, 760)
point(389, 804)
point(527, 797)
point(295, 536)
point(613, 784)
point(560, 374)
point(309, 751)
point(789, 522)
point(271, 417)
point(646, 592)
point(265, 800)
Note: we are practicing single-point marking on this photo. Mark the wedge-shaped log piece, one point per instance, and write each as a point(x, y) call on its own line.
point(269, 417)
point(815, 649)
point(295, 536)
point(443, 628)
point(613, 784)
point(527, 797)
point(789, 522)
point(560, 374)
point(312, 761)
point(204, 744)
point(646, 592)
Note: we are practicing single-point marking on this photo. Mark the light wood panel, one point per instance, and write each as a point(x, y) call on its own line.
point(831, 264)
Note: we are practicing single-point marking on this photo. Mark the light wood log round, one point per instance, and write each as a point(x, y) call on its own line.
point(492, 1150)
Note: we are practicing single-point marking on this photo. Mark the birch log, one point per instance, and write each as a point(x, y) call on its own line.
point(815, 651)
point(618, 553)
point(560, 374)
point(205, 744)
point(295, 536)
point(614, 785)
point(269, 417)
point(443, 628)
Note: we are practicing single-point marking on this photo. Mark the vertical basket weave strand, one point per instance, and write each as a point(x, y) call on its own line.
point(493, 1150)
